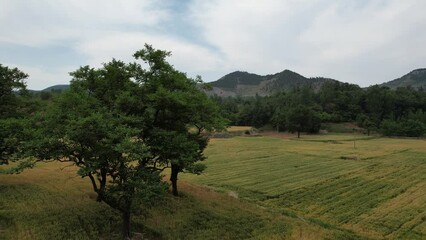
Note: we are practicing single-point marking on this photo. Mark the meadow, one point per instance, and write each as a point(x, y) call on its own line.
point(334, 186)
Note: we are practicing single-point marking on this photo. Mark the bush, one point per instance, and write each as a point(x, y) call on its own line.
point(409, 128)
point(413, 128)
point(390, 128)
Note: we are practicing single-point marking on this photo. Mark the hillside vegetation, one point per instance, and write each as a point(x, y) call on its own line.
point(248, 84)
point(414, 79)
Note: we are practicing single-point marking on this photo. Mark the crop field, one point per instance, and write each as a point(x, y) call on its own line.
point(339, 186)
point(372, 187)
point(52, 202)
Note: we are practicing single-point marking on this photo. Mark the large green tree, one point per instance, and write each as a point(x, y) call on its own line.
point(122, 124)
point(92, 127)
point(303, 119)
point(12, 84)
point(12, 117)
point(177, 114)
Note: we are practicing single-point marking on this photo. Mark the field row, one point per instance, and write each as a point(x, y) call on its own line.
point(379, 192)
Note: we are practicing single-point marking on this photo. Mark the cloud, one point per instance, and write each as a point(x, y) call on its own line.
point(358, 41)
point(186, 56)
point(43, 22)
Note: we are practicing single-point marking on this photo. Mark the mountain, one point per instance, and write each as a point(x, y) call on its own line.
point(415, 79)
point(54, 88)
point(248, 84)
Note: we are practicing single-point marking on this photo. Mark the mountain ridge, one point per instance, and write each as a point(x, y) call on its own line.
point(242, 83)
point(416, 79)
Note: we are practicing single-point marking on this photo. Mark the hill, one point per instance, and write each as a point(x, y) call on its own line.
point(415, 79)
point(53, 88)
point(248, 84)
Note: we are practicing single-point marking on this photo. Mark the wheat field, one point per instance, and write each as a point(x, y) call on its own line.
point(374, 187)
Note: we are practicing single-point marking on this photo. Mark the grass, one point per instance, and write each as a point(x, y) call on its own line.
point(52, 202)
point(316, 187)
point(378, 192)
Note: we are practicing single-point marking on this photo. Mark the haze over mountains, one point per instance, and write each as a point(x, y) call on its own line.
point(249, 84)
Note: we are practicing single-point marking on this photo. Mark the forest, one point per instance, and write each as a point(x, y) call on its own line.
point(379, 109)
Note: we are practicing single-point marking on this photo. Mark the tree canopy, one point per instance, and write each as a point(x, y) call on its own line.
point(12, 112)
point(122, 124)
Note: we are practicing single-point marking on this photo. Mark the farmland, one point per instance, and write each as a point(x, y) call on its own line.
point(335, 186)
point(375, 187)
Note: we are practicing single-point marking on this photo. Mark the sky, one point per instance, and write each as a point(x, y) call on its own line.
point(357, 41)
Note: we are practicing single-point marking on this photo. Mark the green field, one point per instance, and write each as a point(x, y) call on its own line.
point(316, 187)
point(52, 202)
point(374, 187)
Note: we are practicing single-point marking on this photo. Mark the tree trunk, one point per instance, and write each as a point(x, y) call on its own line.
point(126, 225)
point(173, 179)
point(298, 134)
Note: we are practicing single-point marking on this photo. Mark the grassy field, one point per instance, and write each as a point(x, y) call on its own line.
point(374, 187)
point(316, 187)
point(52, 202)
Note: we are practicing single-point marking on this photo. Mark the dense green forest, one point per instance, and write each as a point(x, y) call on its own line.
point(399, 112)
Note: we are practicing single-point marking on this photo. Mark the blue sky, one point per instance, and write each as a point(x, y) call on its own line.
point(356, 41)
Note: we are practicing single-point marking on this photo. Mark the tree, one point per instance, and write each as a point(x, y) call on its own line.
point(12, 83)
point(12, 119)
point(177, 115)
point(122, 124)
point(91, 126)
point(302, 118)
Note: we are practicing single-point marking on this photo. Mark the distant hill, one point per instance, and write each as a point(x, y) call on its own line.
point(248, 84)
point(415, 79)
point(53, 88)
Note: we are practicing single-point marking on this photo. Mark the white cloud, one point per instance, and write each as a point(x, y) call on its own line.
point(186, 57)
point(358, 41)
point(44, 22)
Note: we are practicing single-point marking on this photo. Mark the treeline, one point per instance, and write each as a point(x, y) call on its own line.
point(400, 112)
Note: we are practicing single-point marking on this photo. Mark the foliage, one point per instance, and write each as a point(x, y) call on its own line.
point(14, 109)
point(408, 127)
point(176, 115)
point(334, 102)
point(89, 126)
point(11, 82)
point(122, 124)
point(302, 119)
